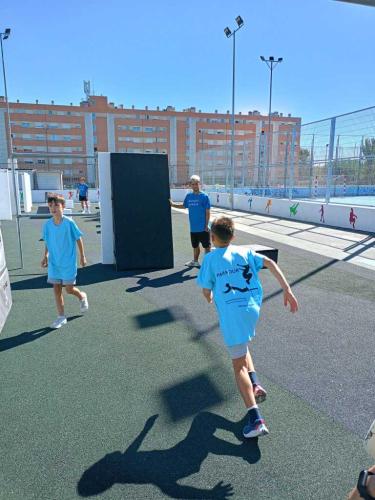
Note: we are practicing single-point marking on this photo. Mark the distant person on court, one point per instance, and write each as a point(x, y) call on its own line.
point(83, 193)
point(61, 237)
point(198, 205)
point(229, 277)
point(268, 205)
point(352, 217)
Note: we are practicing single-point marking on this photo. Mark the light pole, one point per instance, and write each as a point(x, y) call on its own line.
point(228, 34)
point(271, 62)
point(5, 36)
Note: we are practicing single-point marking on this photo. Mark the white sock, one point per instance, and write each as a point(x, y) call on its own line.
point(251, 407)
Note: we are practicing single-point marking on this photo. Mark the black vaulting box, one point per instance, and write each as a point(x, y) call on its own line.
point(142, 222)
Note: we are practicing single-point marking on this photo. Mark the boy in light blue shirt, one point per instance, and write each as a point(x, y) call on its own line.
point(61, 237)
point(229, 277)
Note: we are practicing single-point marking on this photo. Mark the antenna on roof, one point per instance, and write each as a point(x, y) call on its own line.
point(86, 89)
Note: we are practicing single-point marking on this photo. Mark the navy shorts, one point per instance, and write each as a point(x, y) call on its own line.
point(203, 238)
point(82, 198)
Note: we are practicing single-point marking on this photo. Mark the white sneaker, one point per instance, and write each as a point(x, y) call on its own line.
point(83, 304)
point(192, 263)
point(59, 322)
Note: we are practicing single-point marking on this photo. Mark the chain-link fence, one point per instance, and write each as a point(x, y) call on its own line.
point(327, 160)
point(71, 167)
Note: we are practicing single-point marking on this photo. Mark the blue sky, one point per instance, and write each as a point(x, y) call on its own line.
point(174, 52)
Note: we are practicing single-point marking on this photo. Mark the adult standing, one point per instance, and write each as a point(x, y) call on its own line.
point(198, 205)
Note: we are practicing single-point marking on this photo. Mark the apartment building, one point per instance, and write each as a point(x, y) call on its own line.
point(66, 138)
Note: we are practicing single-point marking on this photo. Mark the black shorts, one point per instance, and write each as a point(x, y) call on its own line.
point(82, 198)
point(202, 237)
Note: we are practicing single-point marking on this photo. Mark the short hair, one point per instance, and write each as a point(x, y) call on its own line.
point(223, 228)
point(195, 178)
point(56, 198)
point(82, 178)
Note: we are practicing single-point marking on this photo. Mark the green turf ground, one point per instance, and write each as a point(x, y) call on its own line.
point(135, 401)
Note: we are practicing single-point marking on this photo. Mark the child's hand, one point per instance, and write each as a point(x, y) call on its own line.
point(290, 299)
point(83, 261)
point(207, 295)
point(44, 261)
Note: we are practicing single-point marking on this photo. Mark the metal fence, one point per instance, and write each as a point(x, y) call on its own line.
point(71, 167)
point(326, 160)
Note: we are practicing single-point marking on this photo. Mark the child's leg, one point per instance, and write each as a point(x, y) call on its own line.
point(243, 381)
point(73, 290)
point(259, 392)
point(196, 251)
point(59, 299)
point(249, 362)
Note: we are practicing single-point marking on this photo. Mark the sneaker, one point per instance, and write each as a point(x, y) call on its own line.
point(260, 394)
point(83, 304)
point(59, 322)
point(192, 263)
point(255, 429)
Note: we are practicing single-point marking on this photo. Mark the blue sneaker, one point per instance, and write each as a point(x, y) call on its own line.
point(255, 429)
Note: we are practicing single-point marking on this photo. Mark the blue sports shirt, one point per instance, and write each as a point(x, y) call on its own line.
point(82, 189)
point(60, 240)
point(197, 204)
point(232, 275)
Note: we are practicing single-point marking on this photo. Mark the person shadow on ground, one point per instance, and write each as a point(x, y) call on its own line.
point(26, 337)
point(164, 468)
point(160, 281)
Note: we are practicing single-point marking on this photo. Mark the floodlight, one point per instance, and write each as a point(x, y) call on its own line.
point(227, 32)
point(279, 59)
point(239, 21)
point(262, 58)
point(271, 58)
point(6, 34)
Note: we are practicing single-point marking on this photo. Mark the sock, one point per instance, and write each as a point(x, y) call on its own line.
point(254, 414)
point(254, 378)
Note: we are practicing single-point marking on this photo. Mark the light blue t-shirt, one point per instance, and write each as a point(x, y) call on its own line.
point(82, 189)
point(60, 239)
point(232, 275)
point(197, 204)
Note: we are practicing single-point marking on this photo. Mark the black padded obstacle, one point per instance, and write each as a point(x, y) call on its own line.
point(142, 222)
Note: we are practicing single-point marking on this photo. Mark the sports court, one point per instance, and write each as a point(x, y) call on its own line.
point(137, 398)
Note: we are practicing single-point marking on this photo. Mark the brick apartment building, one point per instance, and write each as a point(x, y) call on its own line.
point(65, 138)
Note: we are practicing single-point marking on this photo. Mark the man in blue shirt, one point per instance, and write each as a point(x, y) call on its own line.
point(198, 205)
point(82, 192)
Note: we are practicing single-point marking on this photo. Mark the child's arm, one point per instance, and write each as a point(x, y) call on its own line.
point(176, 205)
point(207, 294)
point(82, 256)
point(44, 261)
point(208, 213)
point(289, 297)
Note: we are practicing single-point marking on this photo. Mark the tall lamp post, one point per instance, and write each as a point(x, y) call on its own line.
point(4, 36)
point(228, 34)
point(271, 62)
